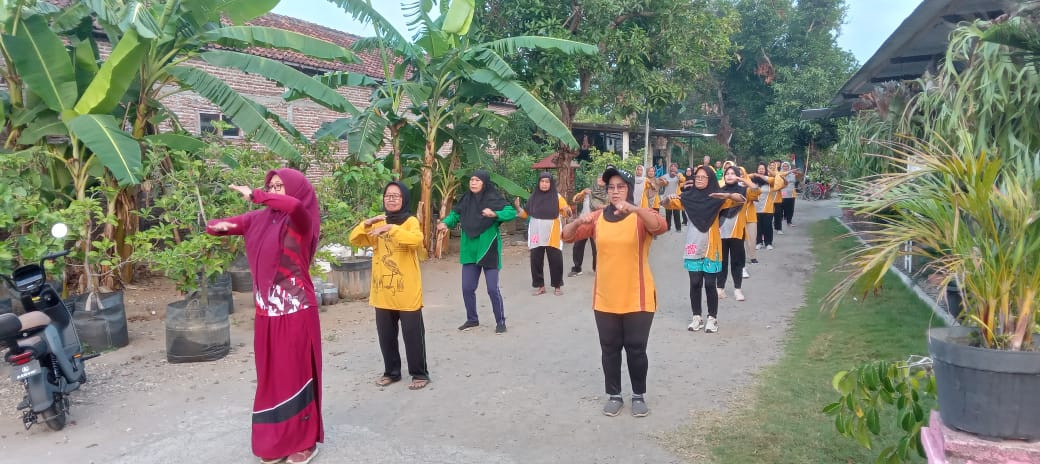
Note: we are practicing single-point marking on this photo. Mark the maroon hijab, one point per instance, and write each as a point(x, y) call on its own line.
point(264, 249)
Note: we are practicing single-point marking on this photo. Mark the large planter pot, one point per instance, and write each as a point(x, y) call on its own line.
point(991, 393)
point(197, 332)
point(241, 280)
point(352, 277)
point(103, 327)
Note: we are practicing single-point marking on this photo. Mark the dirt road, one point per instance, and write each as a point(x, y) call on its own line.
point(531, 395)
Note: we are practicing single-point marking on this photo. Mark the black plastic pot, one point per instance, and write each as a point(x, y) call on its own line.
point(241, 280)
point(219, 289)
point(991, 393)
point(103, 327)
point(197, 332)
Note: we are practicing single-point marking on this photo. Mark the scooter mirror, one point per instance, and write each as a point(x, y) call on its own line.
point(59, 230)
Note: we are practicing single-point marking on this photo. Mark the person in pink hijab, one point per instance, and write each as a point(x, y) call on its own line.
point(281, 240)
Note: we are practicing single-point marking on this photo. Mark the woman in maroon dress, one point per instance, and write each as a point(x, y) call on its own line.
point(280, 243)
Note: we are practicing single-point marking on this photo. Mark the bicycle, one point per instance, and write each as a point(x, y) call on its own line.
point(818, 190)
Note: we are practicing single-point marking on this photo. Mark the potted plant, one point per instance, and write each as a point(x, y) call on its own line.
point(191, 192)
point(978, 211)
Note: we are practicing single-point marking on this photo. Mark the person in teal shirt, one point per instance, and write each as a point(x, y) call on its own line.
point(480, 211)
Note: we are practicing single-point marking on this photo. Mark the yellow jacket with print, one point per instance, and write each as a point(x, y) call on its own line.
point(396, 278)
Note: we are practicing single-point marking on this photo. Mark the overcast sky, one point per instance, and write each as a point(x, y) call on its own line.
point(868, 24)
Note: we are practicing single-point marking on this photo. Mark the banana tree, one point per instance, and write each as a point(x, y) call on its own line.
point(447, 73)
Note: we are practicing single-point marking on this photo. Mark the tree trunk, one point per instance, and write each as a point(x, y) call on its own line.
point(425, 205)
point(446, 204)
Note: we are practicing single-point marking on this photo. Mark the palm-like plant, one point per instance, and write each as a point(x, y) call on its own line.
point(975, 215)
point(443, 73)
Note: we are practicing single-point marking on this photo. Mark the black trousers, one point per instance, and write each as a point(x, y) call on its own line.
point(709, 282)
point(673, 214)
point(732, 258)
point(414, 333)
point(788, 209)
point(630, 331)
point(765, 233)
point(538, 256)
point(578, 254)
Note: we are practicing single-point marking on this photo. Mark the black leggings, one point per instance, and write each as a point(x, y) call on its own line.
point(765, 233)
point(630, 331)
point(708, 281)
point(788, 209)
point(732, 253)
point(673, 214)
point(538, 255)
point(413, 331)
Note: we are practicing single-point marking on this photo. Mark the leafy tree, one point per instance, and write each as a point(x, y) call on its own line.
point(788, 60)
point(652, 53)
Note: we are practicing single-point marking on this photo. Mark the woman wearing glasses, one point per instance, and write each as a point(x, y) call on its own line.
point(280, 243)
point(396, 238)
point(625, 298)
point(545, 208)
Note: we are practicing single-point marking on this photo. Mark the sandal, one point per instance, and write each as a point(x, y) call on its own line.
point(539, 291)
point(386, 380)
point(419, 384)
point(558, 291)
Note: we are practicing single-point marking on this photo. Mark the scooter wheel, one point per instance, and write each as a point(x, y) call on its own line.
point(56, 415)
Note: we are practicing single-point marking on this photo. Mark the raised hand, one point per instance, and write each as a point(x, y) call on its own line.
point(489, 213)
point(223, 226)
point(245, 191)
point(375, 219)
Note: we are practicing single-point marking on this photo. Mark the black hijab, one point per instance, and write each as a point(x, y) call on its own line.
point(610, 213)
point(701, 208)
point(735, 187)
point(472, 204)
point(544, 205)
point(398, 217)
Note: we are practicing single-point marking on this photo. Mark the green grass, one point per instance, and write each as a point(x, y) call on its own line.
point(779, 421)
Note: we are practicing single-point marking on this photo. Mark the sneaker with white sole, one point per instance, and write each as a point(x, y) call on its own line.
point(302, 457)
point(744, 272)
point(613, 406)
point(696, 324)
point(739, 295)
point(758, 246)
point(722, 293)
point(639, 408)
point(769, 247)
point(712, 326)
point(574, 274)
point(780, 232)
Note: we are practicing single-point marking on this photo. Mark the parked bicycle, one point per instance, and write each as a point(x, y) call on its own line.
point(818, 190)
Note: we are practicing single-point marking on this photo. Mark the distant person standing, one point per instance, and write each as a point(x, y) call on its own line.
point(625, 298)
point(545, 209)
point(480, 211)
point(787, 194)
point(732, 221)
point(592, 200)
point(672, 182)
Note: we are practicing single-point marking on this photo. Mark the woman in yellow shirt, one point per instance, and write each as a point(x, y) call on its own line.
point(624, 299)
point(544, 208)
point(396, 239)
point(732, 222)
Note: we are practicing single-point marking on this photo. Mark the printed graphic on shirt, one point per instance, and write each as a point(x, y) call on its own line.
point(691, 249)
point(280, 301)
point(392, 280)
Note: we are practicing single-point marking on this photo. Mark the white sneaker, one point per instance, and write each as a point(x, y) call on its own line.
point(722, 293)
point(712, 326)
point(744, 272)
point(769, 247)
point(780, 232)
point(738, 295)
point(758, 246)
point(696, 325)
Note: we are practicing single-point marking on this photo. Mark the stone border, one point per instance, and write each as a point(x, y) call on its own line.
point(921, 294)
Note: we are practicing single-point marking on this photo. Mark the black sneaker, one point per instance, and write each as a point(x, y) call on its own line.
point(754, 261)
point(574, 274)
point(468, 325)
point(500, 329)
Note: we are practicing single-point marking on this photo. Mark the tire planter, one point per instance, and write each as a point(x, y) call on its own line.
point(104, 326)
point(352, 277)
point(197, 332)
point(991, 393)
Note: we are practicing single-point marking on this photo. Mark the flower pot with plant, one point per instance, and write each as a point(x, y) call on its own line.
point(975, 216)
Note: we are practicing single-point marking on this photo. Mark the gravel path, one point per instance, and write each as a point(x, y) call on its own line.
point(531, 395)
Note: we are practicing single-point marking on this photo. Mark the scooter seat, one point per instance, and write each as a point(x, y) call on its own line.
point(34, 320)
